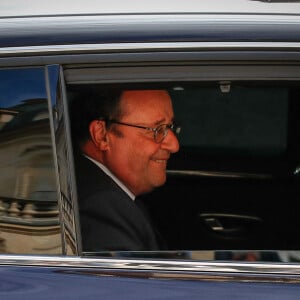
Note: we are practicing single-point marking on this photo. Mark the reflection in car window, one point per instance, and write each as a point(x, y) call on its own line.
point(28, 202)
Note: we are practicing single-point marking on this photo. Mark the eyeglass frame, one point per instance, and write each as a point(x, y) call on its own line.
point(173, 126)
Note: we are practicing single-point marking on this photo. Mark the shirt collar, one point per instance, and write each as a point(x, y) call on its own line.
point(112, 176)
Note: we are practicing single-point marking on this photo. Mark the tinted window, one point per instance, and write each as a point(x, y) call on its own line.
point(28, 199)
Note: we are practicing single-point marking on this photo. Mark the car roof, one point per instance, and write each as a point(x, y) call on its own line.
point(73, 22)
point(9, 8)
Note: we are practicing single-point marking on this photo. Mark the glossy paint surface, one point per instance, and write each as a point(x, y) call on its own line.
point(39, 31)
point(65, 283)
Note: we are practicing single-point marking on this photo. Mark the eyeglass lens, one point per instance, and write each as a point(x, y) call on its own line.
point(162, 131)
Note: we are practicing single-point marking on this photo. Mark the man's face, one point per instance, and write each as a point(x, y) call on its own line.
point(133, 155)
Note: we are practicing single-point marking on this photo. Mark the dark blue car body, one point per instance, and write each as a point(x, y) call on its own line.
point(70, 47)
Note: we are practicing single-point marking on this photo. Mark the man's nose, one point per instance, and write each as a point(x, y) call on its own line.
point(170, 142)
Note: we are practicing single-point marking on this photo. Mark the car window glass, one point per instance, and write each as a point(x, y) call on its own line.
point(29, 221)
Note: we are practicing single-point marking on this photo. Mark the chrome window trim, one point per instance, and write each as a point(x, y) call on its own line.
point(163, 57)
point(51, 100)
point(233, 270)
point(111, 47)
point(63, 158)
point(74, 213)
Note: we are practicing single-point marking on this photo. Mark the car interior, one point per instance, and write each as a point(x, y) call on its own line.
point(234, 182)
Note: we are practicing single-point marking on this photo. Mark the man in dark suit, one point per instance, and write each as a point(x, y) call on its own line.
point(125, 139)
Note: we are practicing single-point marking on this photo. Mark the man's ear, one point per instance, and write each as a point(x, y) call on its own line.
point(98, 134)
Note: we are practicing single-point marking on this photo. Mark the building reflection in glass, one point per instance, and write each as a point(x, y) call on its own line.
point(29, 217)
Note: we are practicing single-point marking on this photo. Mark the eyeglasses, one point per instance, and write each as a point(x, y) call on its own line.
point(160, 132)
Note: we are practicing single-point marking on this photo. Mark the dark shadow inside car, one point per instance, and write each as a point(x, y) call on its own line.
point(226, 198)
point(234, 183)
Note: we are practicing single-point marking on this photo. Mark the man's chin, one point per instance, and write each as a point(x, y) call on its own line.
point(160, 181)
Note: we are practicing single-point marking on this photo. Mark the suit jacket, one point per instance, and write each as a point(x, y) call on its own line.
point(110, 220)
